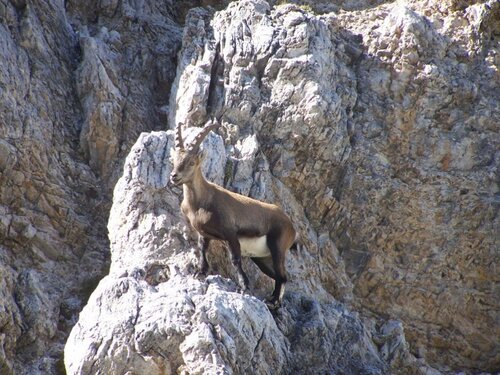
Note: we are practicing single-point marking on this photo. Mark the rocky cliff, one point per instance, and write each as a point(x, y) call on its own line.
point(374, 125)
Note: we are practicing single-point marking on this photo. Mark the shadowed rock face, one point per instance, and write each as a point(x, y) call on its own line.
point(421, 187)
point(78, 83)
point(375, 128)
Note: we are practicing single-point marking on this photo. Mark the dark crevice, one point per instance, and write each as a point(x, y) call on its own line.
point(216, 71)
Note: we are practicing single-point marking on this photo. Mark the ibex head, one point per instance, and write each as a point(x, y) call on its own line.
point(188, 159)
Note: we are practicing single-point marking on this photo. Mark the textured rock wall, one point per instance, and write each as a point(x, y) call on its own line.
point(375, 127)
point(337, 122)
point(421, 188)
point(383, 124)
point(78, 83)
point(46, 232)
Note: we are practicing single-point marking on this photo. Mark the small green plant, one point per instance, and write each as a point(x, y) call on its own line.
point(304, 6)
point(228, 171)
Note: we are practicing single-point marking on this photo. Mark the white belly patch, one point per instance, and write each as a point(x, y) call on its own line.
point(255, 247)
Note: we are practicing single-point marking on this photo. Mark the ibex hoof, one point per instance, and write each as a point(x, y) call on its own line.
point(273, 304)
point(201, 274)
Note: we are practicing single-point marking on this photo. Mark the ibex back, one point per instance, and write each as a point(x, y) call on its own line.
point(251, 228)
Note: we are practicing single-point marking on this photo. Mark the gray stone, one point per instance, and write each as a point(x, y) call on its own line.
point(374, 124)
point(141, 322)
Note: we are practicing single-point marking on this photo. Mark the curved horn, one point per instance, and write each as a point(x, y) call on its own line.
point(213, 124)
point(179, 144)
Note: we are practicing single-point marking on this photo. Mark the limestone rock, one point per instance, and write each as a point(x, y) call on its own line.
point(381, 131)
point(420, 188)
point(366, 119)
point(65, 77)
point(52, 246)
point(125, 73)
point(150, 315)
point(374, 124)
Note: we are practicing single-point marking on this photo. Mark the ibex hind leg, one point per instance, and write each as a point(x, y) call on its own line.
point(278, 258)
point(266, 266)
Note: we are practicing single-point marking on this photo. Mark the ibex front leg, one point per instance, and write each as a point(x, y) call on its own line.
point(235, 250)
point(203, 243)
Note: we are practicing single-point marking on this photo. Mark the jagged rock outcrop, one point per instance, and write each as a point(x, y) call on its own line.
point(151, 315)
point(375, 127)
point(378, 106)
point(323, 115)
point(123, 79)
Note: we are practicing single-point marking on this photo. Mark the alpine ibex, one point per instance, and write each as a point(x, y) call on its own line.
point(251, 228)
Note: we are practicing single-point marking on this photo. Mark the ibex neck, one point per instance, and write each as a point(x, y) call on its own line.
point(196, 189)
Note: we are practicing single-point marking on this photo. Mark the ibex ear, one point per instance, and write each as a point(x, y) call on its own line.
point(201, 153)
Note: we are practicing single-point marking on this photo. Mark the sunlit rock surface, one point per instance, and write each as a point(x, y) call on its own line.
point(373, 124)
